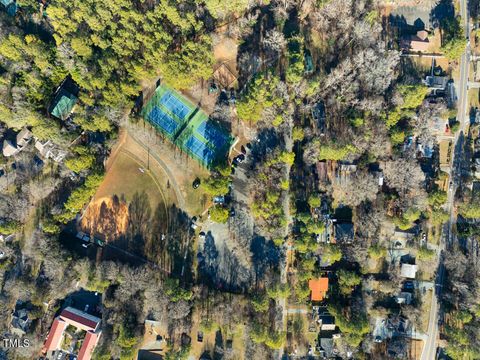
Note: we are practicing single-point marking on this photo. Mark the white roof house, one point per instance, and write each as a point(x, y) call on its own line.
point(404, 298)
point(23, 138)
point(408, 271)
point(8, 148)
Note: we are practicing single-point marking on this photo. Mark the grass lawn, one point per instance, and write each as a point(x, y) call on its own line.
point(473, 98)
point(426, 303)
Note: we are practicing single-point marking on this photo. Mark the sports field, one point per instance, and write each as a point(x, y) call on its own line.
point(203, 140)
point(187, 126)
point(126, 175)
point(168, 111)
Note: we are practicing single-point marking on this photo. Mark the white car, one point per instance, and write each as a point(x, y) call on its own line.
point(2, 254)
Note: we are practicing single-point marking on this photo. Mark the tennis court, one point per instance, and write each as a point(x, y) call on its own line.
point(160, 118)
point(212, 134)
point(174, 105)
point(200, 150)
point(186, 126)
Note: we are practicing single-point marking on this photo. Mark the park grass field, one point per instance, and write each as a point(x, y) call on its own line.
point(124, 179)
point(127, 175)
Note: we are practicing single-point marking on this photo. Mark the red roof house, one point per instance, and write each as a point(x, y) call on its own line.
point(318, 288)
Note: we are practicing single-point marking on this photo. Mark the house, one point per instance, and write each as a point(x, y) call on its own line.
point(326, 347)
point(416, 43)
point(400, 238)
point(343, 233)
point(436, 82)
point(404, 298)
point(10, 6)
point(80, 320)
point(22, 139)
point(318, 288)
point(326, 320)
point(322, 172)
point(20, 323)
point(408, 271)
point(65, 99)
point(48, 150)
point(9, 149)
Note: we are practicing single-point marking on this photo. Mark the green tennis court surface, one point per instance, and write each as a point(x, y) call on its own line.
point(187, 126)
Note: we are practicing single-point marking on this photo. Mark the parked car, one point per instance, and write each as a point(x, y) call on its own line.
point(196, 183)
point(219, 199)
point(239, 159)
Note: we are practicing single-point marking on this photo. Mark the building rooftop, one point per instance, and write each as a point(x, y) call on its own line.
point(80, 319)
point(408, 271)
point(55, 335)
point(418, 42)
point(65, 99)
point(318, 288)
point(88, 346)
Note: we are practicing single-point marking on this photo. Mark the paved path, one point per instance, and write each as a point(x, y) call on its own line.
point(171, 177)
point(430, 348)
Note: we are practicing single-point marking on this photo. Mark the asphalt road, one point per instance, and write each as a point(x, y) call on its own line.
point(448, 237)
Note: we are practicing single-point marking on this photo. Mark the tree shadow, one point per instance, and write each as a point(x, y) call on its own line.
point(442, 12)
point(265, 256)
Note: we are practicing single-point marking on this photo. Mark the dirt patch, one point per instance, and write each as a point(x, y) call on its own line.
point(127, 175)
point(225, 51)
point(106, 216)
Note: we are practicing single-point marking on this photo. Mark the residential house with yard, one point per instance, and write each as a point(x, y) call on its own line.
point(416, 43)
point(436, 83)
point(318, 289)
point(13, 147)
point(154, 344)
point(326, 320)
point(404, 298)
point(58, 336)
point(64, 99)
point(408, 271)
point(326, 347)
point(49, 150)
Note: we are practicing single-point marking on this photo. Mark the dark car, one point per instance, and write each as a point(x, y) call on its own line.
point(239, 159)
point(243, 149)
point(232, 212)
point(196, 183)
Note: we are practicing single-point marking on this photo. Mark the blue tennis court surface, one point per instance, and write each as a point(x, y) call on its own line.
point(212, 134)
point(160, 118)
point(200, 149)
point(174, 105)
